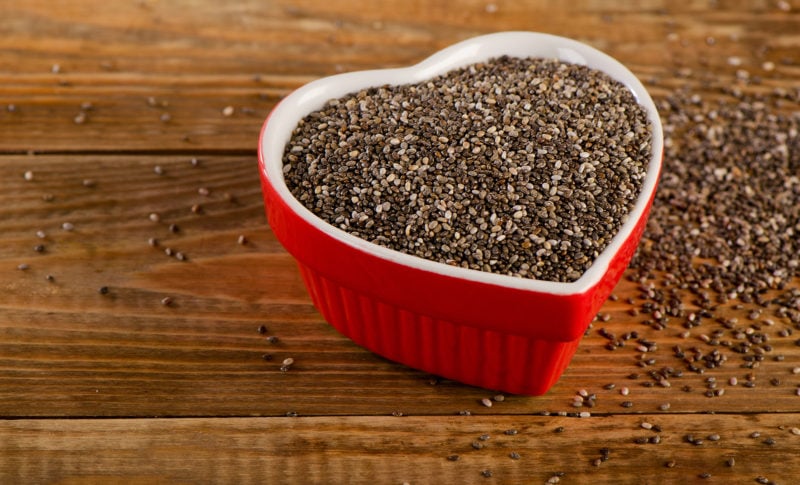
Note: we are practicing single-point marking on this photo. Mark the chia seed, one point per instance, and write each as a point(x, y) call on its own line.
point(535, 184)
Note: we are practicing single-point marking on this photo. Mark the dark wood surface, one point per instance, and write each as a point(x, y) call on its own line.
point(116, 387)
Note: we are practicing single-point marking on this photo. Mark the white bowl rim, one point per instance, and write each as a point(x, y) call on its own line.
point(278, 128)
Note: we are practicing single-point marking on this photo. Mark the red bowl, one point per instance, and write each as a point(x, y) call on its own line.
point(494, 331)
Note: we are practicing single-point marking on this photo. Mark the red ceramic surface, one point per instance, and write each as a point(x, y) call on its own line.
point(499, 332)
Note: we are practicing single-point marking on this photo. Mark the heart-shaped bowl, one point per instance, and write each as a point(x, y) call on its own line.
point(495, 331)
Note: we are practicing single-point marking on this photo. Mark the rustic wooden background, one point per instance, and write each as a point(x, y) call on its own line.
point(103, 108)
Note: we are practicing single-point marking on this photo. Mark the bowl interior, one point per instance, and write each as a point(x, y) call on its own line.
point(278, 129)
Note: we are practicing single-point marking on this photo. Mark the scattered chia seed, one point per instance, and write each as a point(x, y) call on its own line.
point(28, 175)
point(729, 195)
point(453, 458)
point(267, 357)
point(730, 462)
point(512, 432)
point(166, 301)
point(514, 455)
point(486, 402)
point(670, 464)
point(477, 445)
point(103, 290)
point(23, 266)
point(532, 185)
point(67, 226)
point(262, 329)
point(174, 228)
point(242, 240)
point(486, 473)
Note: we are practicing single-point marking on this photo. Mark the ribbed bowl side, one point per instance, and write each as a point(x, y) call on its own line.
point(482, 358)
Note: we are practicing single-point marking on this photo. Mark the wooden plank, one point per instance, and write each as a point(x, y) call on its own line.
point(142, 63)
point(67, 350)
point(402, 450)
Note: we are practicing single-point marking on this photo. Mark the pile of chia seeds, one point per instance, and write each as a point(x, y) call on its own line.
point(523, 167)
point(726, 217)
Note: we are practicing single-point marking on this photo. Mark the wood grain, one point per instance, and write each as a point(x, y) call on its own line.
point(116, 387)
point(399, 450)
point(126, 354)
point(139, 61)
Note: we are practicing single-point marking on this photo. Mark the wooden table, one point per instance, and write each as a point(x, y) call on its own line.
point(113, 111)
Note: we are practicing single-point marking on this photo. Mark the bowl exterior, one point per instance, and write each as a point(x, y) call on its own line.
point(486, 335)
